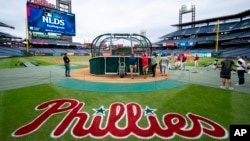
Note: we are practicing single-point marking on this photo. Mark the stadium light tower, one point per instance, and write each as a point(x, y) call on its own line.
point(64, 5)
point(189, 8)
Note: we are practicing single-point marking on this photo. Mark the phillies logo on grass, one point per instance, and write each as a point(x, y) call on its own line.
point(173, 124)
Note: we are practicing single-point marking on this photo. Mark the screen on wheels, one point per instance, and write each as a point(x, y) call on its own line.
point(45, 19)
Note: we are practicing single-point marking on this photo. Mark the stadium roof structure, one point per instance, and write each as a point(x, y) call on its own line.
point(6, 25)
point(228, 17)
point(7, 35)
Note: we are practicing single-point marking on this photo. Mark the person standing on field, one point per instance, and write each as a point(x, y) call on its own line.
point(225, 74)
point(66, 64)
point(132, 65)
point(196, 61)
point(241, 65)
point(178, 61)
point(153, 64)
point(183, 62)
point(164, 65)
point(145, 65)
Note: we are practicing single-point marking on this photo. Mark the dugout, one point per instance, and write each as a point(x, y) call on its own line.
point(103, 63)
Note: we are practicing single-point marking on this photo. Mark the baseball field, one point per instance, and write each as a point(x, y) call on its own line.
point(39, 103)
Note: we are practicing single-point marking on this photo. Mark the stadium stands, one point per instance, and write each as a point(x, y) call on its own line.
point(10, 52)
point(233, 39)
point(40, 46)
point(245, 52)
point(227, 26)
point(206, 29)
point(7, 41)
point(244, 24)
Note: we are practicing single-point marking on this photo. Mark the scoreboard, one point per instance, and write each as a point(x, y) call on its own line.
point(49, 20)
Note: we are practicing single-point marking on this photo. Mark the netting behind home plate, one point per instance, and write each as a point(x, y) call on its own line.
point(25, 77)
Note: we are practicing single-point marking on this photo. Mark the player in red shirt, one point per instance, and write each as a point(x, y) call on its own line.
point(145, 65)
point(178, 61)
point(196, 59)
point(183, 62)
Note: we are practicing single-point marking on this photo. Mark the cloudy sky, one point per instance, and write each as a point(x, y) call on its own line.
point(95, 17)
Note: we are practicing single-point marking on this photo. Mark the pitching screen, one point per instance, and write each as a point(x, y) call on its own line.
point(45, 19)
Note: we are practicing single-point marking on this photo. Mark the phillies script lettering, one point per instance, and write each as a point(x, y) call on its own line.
point(173, 124)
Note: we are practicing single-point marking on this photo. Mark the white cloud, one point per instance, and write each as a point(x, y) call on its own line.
point(95, 17)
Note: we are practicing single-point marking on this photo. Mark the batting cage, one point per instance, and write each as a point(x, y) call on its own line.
point(110, 53)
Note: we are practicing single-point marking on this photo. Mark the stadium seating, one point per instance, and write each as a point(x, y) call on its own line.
point(10, 52)
point(59, 50)
point(234, 37)
point(233, 52)
point(206, 29)
point(227, 26)
point(190, 31)
point(71, 50)
point(242, 25)
point(244, 34)
point(46, 50)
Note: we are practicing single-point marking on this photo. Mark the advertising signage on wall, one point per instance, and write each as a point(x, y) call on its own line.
point(169, 44)
point(206, 42)
point(43, 2)
point(45, 19)
point(185, 44)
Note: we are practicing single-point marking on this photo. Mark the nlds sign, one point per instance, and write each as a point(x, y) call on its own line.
point(44, 19)
point(51, 20)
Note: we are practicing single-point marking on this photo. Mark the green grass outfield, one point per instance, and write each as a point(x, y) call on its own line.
point(17, 106)
point(48, 60)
